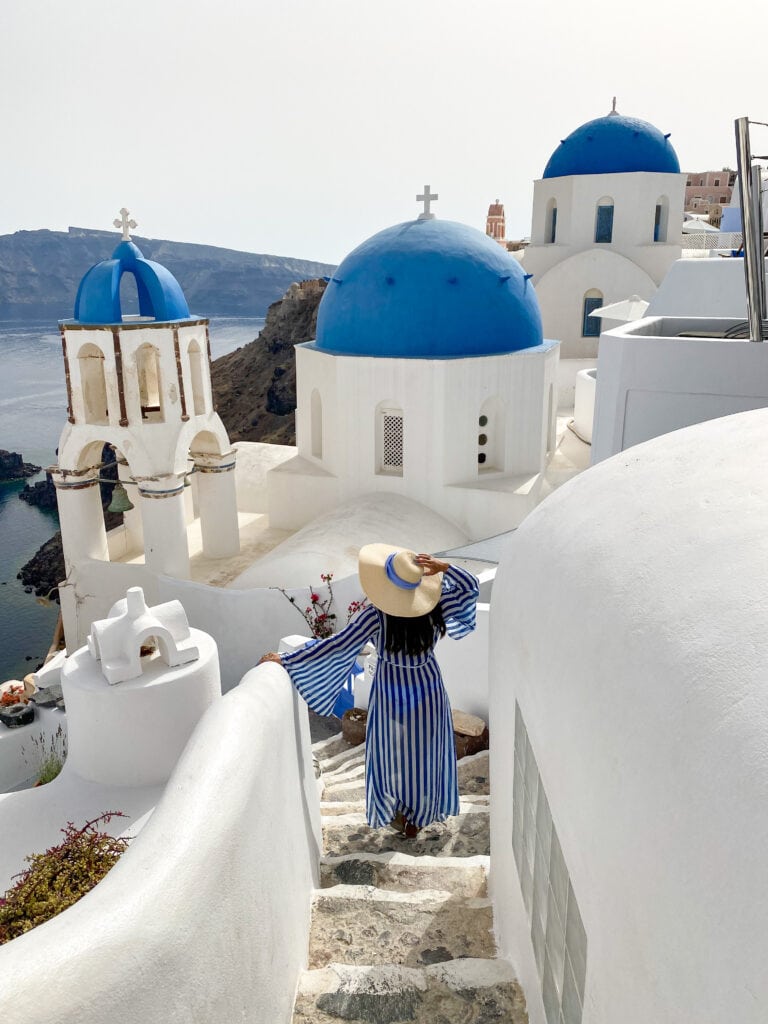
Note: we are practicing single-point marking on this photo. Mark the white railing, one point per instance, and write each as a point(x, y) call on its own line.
point(713, 240)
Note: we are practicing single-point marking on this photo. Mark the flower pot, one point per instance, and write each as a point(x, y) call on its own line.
point(353, 724)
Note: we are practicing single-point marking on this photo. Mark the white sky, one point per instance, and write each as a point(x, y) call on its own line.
point(300, 127)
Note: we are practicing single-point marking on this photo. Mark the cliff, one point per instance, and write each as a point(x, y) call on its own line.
point(13, 466)
point(254, 387)
point(40, 272)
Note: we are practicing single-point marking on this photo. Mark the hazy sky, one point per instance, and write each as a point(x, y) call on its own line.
point(300, 127)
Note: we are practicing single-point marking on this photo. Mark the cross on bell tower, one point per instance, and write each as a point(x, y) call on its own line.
point(427, 197)
point(125, 224)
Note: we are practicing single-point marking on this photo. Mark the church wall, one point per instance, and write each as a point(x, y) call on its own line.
point(638, 672)
point(441, 401)
point(561, 295)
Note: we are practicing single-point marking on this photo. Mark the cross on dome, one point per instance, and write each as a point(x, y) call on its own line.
point(125, 224)
point(427, 197)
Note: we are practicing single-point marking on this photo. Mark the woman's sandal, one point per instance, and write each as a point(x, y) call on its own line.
point(399, 823)
point(411, 831)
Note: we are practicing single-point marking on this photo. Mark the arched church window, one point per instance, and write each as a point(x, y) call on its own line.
point(150, 392)
point(551, 225)
point(590, 325)
point(198, 385)
point(660, 219)
point(316, 423)
point(390, 441)
point(129, 297)
point(604, 220)
point(490, 436)
point(93, 383)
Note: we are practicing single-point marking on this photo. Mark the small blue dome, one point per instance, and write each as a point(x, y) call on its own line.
point(428, 289)
point(613, 144)
point(98, 297)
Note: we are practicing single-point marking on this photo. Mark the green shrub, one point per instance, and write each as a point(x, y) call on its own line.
point(58, 878)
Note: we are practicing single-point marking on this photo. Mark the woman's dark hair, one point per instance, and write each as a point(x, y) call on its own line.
point(413, 636)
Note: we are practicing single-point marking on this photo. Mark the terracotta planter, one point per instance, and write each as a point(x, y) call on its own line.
point(353, 724)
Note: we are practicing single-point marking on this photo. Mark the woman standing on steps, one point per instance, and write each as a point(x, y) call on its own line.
point(410, 759)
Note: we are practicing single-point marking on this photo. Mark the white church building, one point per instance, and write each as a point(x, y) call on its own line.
point(606, 225)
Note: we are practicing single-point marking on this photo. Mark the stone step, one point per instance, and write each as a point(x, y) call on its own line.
point(401, 872)
point(358, 806)
point(360, 924)
point(324, 749)
point(474, 774)
point(349, 756)
point(456, 992)
point(465, 835)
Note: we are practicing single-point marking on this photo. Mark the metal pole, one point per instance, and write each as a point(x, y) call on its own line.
point(757, 222)
point(753, 247)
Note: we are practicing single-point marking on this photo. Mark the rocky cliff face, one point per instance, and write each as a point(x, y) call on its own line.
point(40, 272)
point(254, 387)
point(13, 466)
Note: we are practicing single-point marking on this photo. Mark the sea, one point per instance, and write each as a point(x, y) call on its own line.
point(33, 406)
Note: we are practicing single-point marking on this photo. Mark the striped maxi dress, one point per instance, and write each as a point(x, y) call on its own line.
point(410, 758)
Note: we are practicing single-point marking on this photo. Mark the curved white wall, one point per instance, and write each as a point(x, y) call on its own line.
point(206, 916)
point(629, 623)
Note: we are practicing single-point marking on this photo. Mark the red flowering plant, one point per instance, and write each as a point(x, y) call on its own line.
point(319, 614)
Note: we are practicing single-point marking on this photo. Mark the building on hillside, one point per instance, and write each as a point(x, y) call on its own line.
point(707, 192)
point(495, 224)
point(606, 225)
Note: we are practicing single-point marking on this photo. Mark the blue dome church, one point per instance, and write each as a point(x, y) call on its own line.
point(429, 377)
point(140, 382)
point(606, 226)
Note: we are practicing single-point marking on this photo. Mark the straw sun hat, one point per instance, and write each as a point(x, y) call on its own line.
point(395, 583)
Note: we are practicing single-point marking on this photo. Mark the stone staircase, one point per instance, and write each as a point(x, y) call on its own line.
point(402, 929)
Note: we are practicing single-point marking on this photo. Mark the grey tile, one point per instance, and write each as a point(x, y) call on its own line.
point(551, 995)
point(540, 883)
point(576, 942)
point(555, 942)
point(558, 874)
point(521, 737)
point(531, 773)
point(528, 830)
point(543, 819)
point(571, 1000)
point(517, 846)
point(518, 786)
point(537, 938)
point(527, 884)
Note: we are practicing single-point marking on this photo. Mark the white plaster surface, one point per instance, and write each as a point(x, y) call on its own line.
point(200, 920)
point(584, 405)
point(709, 288)
point(637, 656)
point(132, 733)
point(331, 542)
point(18, 754)
point(650, 381)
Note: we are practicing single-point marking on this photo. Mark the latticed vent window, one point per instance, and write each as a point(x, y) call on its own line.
point(392, 442)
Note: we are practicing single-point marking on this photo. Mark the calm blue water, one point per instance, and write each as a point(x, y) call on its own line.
point(33, 404)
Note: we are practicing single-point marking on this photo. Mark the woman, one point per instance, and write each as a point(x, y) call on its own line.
point(410, 758)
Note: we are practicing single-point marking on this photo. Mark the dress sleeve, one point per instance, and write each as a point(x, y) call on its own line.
point(459, 600)
point(319, 672)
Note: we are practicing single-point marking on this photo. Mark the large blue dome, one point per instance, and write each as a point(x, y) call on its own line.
point(428, 289)
point(160, 294)
point(613, 144)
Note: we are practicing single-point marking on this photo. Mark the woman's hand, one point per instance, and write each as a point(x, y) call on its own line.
point(431, 565)
point(271, 656)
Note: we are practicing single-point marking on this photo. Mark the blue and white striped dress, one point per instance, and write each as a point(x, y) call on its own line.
point(410, 758)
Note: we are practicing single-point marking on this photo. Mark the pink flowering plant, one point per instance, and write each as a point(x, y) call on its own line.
point(319, 614)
